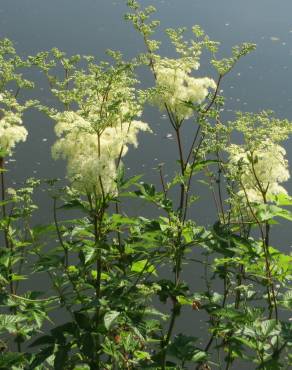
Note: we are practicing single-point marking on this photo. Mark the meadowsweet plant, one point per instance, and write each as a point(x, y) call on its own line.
point(262, 133)
point(22, 313)
point(94, 138)
point(115, 280)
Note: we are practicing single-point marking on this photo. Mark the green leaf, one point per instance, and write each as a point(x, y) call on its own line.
point(266, 212)
point(282, 199)
point(3, 281)
point(61, 357)
point(199, 356)
point(268, 326)
point(15, 277)
point(286, 301)
point(183, 347)
point(198, 166)
point(41, 357)
point(131, 181)
point(43, 229)
point(246, 341)
point(284, 213)
point(82, 320)
point(9, 322)
point(143, 267)
point(89, 252)
point(118, 220)
point(141, 355)
point(87, 345)
point(74, 204)
point(110, 318)
point(184, 300)
point(46, 339)
point(10, 359)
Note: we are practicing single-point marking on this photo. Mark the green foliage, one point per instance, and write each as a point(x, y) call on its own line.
point(118, 280)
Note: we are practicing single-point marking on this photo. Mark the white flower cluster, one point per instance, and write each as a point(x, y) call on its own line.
point(11, 130)
point(175, 86)
point(91, 155)
point(260, 171)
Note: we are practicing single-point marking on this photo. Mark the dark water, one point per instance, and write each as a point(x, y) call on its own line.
point(261, 80)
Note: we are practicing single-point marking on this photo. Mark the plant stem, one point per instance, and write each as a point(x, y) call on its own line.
point(97, 221)
point(2, 169)
point(65, 249)
point(8, 245)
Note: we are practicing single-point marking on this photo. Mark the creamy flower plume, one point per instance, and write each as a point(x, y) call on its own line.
point(175, 86)
point(92, 155)
point(11, 131)
point(260, 171)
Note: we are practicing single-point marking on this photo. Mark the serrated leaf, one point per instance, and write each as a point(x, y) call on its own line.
point(110, 318)
point(268, 326)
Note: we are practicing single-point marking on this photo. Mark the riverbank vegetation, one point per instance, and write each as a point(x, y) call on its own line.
point(103, 266)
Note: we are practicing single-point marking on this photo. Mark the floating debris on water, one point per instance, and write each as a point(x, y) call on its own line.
point(169, 136)
point(274, 38)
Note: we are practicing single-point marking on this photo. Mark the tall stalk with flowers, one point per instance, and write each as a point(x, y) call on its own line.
point(185, 97)
point(106, 267)
point(18, 323)
point(93, 139)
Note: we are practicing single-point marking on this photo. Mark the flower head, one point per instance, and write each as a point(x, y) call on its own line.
point(259, 171)
point(11, 131)
point(92, 155)
point(175, 86)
